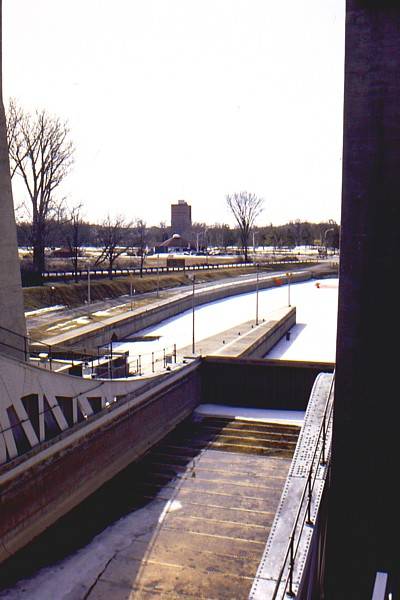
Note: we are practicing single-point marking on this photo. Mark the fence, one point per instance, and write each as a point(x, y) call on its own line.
point(99, 273)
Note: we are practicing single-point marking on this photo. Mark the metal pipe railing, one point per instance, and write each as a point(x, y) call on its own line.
point(289, 561)
point(82, 273)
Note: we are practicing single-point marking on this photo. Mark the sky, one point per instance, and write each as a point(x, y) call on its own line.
point(182, 99)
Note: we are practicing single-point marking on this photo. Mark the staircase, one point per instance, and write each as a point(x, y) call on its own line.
point(215, 484)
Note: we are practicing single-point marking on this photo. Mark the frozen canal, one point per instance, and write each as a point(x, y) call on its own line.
point(313, 338)
point(72, 575)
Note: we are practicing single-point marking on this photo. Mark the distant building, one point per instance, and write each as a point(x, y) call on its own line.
point(175, 244)
point(181, 218)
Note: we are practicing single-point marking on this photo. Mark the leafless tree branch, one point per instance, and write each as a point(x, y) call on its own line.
point(42, 155)
point(245, 207)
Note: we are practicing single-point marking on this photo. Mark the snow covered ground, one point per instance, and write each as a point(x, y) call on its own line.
point(313, 337)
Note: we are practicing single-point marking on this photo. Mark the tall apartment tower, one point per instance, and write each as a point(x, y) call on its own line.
point(181, 218)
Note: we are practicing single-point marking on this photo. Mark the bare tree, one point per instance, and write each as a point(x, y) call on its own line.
point(111, 234)
point(74, 237)
point(41, 153)
point(245, 207)
point(141, 242)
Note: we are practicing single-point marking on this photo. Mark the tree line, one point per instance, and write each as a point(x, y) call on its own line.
point(72, 234)
point(41, 156)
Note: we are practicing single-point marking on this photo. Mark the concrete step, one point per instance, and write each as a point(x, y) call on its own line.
point(244, 424)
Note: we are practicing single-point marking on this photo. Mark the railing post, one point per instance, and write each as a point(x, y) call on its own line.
point(309, 520)
point(164, 359)
point(140, 364)
point(290, 592)
point(152, 362)
point(323, 459)
point(175, 353)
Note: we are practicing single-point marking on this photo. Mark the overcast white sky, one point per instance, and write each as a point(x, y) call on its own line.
point(187, 99)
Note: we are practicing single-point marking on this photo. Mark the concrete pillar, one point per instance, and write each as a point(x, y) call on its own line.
point(363, 514)
point(11, 298)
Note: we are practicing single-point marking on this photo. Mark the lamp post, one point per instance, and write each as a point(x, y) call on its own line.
point(325, 234)
point(193, 305)
point(288, 275)
point(257, 294)
point(158, 275)
point(88, 284)
point(130, 290)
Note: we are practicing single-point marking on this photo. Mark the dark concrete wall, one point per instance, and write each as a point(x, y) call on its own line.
point(253, 383)
point(362, 506)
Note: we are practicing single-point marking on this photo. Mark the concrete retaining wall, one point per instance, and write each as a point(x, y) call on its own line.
point(260, 340)
point(275, 384)
point(277, 330)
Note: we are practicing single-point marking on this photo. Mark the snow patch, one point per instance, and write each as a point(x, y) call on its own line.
point(41, 311)
point(289, 417)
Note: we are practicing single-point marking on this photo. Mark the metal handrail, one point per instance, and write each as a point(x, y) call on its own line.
point(28, 351)
point(292, 548)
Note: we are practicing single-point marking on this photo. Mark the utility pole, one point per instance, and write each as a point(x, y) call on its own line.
point(130, 290)
point(193, 343)
point(288, 275)
point(257, 294)
point(158, 275)
point(88, 286)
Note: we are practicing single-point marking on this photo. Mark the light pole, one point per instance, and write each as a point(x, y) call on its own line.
point(325, 234)
point(158, 275)
point(257, 294)
point(130, 291)
point(288, 275)
point(88, 285)
point(193, 284)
